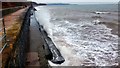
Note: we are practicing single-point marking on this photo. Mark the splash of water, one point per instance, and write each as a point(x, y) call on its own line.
point(43, 17)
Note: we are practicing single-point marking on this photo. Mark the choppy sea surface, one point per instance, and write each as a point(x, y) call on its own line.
point(80, 39)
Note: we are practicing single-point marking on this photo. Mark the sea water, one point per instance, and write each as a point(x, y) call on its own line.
point(79, 39)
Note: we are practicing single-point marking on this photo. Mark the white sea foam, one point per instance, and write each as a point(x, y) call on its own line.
point(98, 12)
point(93, 43)
point(81, 44)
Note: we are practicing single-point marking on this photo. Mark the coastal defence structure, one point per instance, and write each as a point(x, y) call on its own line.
point(24, 41)
point(12, 19)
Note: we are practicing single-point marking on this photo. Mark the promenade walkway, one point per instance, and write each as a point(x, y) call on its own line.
point(35, 55)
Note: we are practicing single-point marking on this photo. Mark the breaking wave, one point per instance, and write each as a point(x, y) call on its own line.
point(81, 43)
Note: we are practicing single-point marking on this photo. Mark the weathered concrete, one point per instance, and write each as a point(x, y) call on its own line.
point(13, 23)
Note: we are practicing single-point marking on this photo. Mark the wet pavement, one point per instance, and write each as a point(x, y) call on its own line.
point(35, 55)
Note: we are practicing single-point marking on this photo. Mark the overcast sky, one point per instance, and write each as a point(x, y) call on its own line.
point(68, 1)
